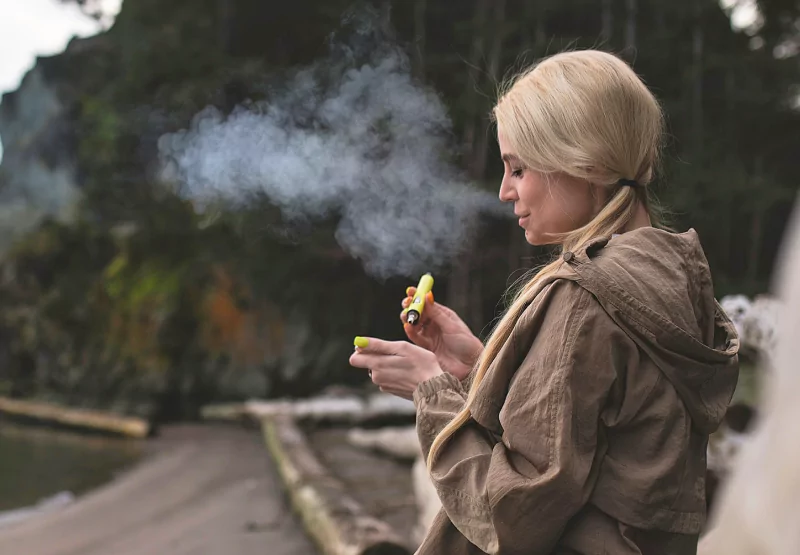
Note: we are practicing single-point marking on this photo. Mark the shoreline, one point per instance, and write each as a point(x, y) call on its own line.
point(195, 486)
point(43, 506)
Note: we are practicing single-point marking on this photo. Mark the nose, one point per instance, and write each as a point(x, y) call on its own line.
point(507, 192)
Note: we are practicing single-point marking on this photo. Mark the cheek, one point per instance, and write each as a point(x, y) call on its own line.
point(533, 193)
point(535, 196)
point(553, 211)
point(568, 210)
point(578, 203)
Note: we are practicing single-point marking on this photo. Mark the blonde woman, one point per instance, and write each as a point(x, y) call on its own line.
point(581, 426)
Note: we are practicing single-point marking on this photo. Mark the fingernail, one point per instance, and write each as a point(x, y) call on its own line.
point(429, 298)
point(362, 342)
point(408, 290)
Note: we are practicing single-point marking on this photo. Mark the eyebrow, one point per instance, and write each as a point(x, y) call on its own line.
point(510, 158)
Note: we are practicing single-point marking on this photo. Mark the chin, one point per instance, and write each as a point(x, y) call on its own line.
point(539, 239)
point(534, 239)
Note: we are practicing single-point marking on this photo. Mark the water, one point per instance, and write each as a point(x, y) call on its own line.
point(37, 463)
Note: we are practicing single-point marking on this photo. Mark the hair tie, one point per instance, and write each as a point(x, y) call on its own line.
point(628, 183)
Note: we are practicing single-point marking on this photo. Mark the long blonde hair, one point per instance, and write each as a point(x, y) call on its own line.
point(586, 114)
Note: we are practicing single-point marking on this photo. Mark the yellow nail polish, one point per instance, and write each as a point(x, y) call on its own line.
point(362, 342)
point(408, 290)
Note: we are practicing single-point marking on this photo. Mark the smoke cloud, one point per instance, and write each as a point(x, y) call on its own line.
point(353, 136)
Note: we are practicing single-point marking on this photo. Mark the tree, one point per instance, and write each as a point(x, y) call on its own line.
point(730, 172)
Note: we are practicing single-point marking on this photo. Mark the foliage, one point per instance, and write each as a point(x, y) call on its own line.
point(147, 306)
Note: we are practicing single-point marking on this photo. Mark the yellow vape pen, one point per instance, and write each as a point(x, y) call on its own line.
point(414, 310)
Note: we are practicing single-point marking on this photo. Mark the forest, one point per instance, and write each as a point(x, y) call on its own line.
point(142, 303)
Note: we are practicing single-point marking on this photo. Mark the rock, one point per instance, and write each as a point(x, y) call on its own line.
point(736, 307)
point(760, 325)
point(403, 442)
point(39, 167)
point(756, 321)
point(400, 442)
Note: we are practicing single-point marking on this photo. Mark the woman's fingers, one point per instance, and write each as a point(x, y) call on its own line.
point(406, 302)
point(416, 335)
point(410, 291)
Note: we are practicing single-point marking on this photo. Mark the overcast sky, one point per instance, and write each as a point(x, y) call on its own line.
point(30, 28)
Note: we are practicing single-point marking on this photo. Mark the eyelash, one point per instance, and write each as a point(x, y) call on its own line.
point(516, 173)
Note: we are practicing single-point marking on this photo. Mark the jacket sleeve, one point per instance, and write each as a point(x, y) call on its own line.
point(516, 493)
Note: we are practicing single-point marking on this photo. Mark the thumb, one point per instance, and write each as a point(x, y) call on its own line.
point(415, 334)
point(433, 310)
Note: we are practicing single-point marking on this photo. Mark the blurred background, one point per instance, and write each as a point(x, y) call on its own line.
point(203, 201)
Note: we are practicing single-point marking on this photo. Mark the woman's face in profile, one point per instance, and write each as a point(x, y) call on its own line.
point(546, 204)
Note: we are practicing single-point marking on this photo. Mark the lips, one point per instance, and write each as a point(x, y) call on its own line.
point(523, 219)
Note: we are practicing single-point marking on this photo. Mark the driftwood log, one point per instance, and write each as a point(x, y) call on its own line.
point(79, 419)
point(345, 410)
point(336, 522)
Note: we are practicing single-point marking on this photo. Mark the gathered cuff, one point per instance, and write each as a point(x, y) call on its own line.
point(430, 387)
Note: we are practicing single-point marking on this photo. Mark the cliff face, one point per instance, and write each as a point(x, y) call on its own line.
point(114, 293)
point(39, 168)
point(39, 126)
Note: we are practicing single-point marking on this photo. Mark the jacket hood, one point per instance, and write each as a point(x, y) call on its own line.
point(657, 287)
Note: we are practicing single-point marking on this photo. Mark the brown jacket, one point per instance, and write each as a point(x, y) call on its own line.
point(589, 430)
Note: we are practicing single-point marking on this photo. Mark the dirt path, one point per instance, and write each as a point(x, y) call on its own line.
point(203, 490)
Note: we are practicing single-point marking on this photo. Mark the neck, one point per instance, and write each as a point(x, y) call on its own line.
point(641, 218)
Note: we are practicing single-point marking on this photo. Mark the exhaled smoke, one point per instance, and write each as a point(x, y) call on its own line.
point(355, 138)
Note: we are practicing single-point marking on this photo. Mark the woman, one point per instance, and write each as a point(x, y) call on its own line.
point(581, 426)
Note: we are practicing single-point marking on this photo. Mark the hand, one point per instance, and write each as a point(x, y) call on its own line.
point(442, 332)
point(397, 367)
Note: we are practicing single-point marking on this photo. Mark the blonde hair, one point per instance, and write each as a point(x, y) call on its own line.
point(585, 114)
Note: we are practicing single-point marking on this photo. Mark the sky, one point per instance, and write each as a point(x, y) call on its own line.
point(30, 28)
point(744, 13)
